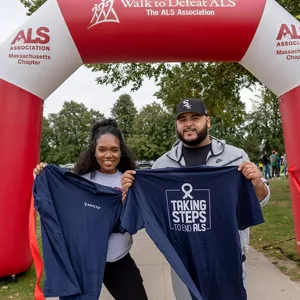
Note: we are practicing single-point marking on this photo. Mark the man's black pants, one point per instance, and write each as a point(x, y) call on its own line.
point(274, 171)
point(123, 280)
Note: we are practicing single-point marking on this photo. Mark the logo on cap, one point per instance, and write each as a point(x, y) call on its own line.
point(186, 104)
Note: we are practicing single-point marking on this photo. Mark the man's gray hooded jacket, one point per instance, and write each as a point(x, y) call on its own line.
point(220, 155)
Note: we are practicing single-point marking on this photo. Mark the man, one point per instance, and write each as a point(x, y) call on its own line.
point(284, 162)
point(274, 164)
point(266, 162)
point(197, 147)
point(278, 159)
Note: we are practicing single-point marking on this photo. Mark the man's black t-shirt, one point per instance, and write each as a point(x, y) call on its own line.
point(265, 160)
point(195, 156)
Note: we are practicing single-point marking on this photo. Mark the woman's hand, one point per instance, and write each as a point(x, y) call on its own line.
point(127, 181)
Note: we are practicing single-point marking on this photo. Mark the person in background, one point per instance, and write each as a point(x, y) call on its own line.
point(278, 164)
point(284, 162)
point(266, 162)
point(274, 165)
point(260, 167)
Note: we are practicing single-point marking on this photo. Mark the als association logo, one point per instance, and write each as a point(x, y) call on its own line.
point(29, 36)
point(189, 209)
point(103, 13)
point(288, 35)
point(31, 46)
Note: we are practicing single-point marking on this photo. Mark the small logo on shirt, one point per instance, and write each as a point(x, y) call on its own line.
point(92, 205)
point(189, 209)
point(219, 160)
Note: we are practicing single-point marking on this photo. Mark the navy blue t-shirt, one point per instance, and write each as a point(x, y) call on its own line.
point(77, 217)
point(193, 216)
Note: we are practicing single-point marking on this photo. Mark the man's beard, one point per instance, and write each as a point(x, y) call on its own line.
point(201, 136)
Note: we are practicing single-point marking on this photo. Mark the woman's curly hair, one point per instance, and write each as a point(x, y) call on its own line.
point(87, 162)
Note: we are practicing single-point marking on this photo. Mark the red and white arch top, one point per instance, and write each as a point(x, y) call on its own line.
point(62, 35)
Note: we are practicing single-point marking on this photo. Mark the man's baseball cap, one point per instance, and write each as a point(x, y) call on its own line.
point(191, 105)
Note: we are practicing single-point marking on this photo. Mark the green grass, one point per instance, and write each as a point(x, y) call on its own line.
point(278, 228)
point(23, 287)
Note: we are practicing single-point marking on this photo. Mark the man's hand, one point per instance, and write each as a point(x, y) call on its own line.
point(251, 172)
point(38, 169)
point(127, 180)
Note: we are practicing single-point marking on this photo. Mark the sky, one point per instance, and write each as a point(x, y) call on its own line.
point(81, 86)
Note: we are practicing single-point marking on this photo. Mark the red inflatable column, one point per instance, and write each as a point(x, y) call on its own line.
point(20, 123)
point(273, 57)
point(290, 109)
point(34, 61)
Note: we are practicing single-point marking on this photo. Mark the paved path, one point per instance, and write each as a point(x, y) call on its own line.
point(265, 281)
point(154, 268)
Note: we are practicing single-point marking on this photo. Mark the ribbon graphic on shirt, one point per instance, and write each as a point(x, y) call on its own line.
point(189, 209)
point(187, 193)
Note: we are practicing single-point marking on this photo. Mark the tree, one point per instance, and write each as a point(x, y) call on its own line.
point(153, 132)
point(221, 95)
point(264, 122)
point(124, 112)
point(32, 5)
point(233, 134)
point(203, 80)
point(252, 146)
point(66, 134)
point(292, 6)
point(47, 141)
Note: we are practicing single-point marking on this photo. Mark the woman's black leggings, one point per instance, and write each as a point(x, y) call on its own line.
point(123, 280)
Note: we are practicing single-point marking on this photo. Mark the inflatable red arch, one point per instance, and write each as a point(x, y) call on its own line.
point(64, 34)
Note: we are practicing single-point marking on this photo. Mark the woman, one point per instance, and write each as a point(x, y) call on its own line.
point(104, 161)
